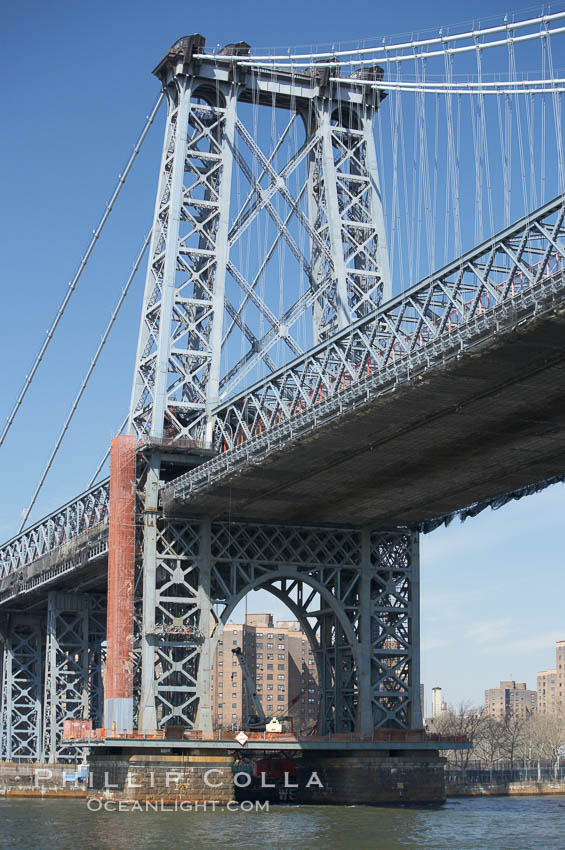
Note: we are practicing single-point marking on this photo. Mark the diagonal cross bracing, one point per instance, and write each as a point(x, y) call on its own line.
point(400, 336)
point(195, 281)
point(80, 514)
point(475, 294)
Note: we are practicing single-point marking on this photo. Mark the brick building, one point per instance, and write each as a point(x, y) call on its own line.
point(511, 699)
point(551, 684)
point(282, 665)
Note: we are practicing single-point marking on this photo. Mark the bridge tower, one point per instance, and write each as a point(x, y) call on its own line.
point(354, 590)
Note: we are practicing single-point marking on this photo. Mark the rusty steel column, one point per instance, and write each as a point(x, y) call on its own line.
point(118, 687)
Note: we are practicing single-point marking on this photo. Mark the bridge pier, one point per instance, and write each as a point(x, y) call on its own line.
point(364, 777)
point(355, 591)
point(51, 672)
point(307, 772)
point(195, 775)
point(73, 658)
point(22, 679)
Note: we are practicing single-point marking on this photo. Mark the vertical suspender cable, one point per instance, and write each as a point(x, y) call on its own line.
point(395, 205)
point(416, 182)
point(483, 127)
point(508, 125)
point(436, 164)
point(543, 118)
point(410, 250)
point(72, 285)
point(425, 173)
point(458, 244)
point(514, 76)
point(556, 96)
point(478, 173)
point(530, 118)
point(411, 208)
point(503, 154)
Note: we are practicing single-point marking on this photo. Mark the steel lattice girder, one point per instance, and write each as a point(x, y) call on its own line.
point(20, 715)
point(177, 377)
point(475, 296)
point(66, 523)
point(75, 630)
point(354, 592)
point(519, 271)
point(97, 616)
point(394, 611)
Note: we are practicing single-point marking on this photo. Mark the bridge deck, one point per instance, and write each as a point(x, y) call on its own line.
point(446, 397)
point(479, 422)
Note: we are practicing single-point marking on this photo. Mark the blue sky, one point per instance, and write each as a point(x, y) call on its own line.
point(77, 84)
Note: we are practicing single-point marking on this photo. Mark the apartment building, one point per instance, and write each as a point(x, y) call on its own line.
point(281, 663)
point(511, 699)
point(551, 684)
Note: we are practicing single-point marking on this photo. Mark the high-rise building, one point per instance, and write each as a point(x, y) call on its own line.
point(511, 699)
point(280, 661)
point(436, 702)
point(551, 684)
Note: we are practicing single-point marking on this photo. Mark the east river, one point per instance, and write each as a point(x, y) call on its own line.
point(516, 823)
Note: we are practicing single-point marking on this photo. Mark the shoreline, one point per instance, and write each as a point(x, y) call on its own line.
point(530, 789)
point(509, 789)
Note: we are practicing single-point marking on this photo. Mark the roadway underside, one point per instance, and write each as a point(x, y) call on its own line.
point(478, 426)
point(79, 566)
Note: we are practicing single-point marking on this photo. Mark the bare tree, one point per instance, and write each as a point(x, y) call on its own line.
point(513, 728)
point(528, 742)
point(463, 720)
point(489, 742)
point(550, 735)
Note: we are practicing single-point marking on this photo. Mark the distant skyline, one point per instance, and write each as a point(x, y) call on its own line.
point(77, 84)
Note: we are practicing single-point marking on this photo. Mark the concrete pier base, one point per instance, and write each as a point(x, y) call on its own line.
point(194, 776)
point(336, 777)
point(40, 779)
point(361, 777)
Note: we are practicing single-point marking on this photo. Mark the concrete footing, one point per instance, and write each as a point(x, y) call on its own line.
point(329, 777)
point(370, 778)
point(195, 776)
point(40, 779)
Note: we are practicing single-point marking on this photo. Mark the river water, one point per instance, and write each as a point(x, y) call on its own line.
point(504, 823)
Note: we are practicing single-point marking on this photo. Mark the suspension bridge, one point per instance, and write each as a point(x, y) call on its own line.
point(302, 408)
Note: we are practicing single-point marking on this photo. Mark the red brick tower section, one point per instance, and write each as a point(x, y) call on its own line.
point(118, 686)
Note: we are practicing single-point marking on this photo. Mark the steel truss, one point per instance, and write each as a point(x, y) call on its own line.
point(66, 523)
point(198, 221)
point(97, 616)
point(22, 668)
point(355, 593)
point(478, 293)
point(76, 627)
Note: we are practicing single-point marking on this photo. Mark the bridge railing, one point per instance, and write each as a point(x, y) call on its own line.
point(514, 261)
point(81, 514)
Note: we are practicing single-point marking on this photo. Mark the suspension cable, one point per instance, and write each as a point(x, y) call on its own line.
point(72, 285)
point(86, 378)
point(290, 58)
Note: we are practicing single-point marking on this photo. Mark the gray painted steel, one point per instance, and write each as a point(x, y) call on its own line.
point(354, 587)
point(354, 591)
point(20, 717)
point(118, 714)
